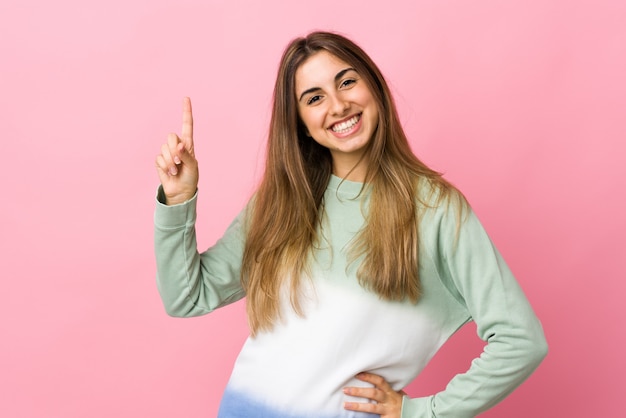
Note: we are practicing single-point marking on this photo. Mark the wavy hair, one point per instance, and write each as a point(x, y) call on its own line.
point(288, 205)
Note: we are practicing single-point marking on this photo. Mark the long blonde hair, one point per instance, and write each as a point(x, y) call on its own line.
point(287, 208)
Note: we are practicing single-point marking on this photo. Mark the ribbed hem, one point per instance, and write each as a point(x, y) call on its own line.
point(417, 407)
point(174, 216)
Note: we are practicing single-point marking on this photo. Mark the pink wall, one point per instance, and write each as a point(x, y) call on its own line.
point(521, 103)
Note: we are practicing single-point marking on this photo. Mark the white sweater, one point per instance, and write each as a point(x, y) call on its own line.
point(299, 369)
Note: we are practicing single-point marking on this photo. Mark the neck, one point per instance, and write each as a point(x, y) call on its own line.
point(350, 170)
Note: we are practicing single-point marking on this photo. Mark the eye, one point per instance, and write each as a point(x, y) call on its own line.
point(347, 82)
point(313, 99)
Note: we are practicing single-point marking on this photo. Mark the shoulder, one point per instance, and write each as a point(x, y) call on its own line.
point(439, 199)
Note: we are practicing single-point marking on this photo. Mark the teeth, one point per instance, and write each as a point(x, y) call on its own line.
point(345, 126)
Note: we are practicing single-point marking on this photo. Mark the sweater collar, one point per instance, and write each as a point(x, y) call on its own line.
point(346, 188)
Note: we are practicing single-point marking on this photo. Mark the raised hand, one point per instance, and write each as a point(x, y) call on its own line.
point(388, 401)
point(177, 165)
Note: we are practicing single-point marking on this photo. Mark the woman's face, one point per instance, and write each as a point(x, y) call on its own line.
point(337, 109)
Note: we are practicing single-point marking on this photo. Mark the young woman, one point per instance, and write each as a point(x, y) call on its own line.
point(357, 261)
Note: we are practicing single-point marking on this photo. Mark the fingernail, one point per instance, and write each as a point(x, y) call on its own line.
point(346, 391)
point(176, 159)
point(173, 171)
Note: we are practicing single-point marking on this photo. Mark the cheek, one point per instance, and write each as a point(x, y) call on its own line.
point(374, 109)
point(375, 116)
point(310, 120)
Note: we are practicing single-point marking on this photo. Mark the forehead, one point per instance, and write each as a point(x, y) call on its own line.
point(318, 70)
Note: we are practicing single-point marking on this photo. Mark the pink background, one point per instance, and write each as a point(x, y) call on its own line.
point(521, 103)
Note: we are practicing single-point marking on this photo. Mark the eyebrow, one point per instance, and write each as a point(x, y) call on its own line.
point(337, 77)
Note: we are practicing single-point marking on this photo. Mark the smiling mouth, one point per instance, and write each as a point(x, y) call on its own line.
point(345, 126)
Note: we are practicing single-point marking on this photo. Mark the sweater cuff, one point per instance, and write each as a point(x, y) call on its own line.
point(174, 216)
point(417, 407)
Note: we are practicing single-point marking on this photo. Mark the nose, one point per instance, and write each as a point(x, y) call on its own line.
point(338, 105)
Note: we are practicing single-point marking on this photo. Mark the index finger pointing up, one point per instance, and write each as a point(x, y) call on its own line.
point(187, 131)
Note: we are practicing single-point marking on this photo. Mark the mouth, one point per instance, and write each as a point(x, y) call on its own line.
point(346, 125)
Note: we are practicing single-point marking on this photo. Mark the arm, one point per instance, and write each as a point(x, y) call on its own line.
point(190, 283)
point(476, 273)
